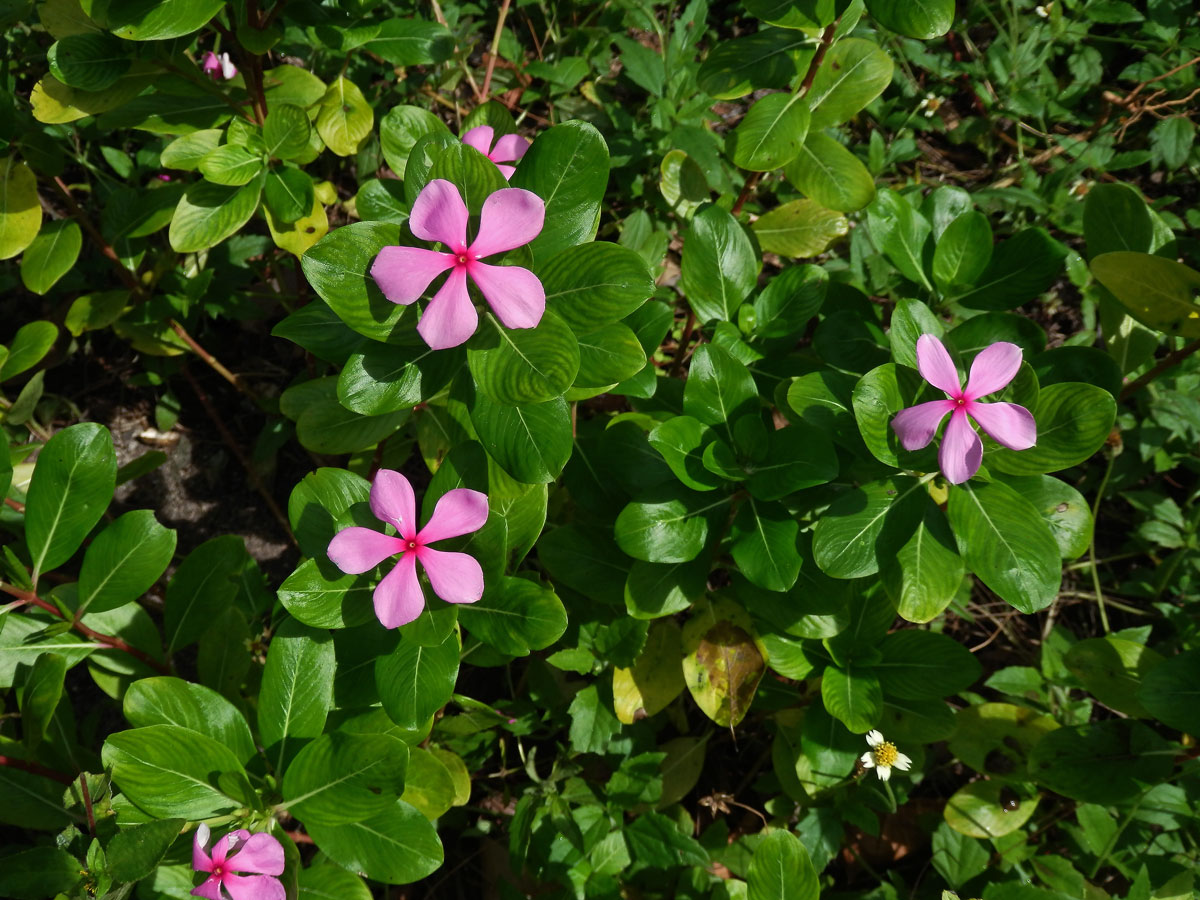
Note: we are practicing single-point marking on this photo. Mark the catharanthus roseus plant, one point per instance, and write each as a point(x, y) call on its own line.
point(961, 451)
point(240, 866)
point(511, 218)
point(455, 577)
point(507, 148)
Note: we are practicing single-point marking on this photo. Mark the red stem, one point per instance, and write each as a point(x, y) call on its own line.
point(35, 769)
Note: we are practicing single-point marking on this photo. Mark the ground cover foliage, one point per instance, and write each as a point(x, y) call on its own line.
point(711, 600)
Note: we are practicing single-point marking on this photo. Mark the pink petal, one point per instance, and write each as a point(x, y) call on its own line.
point(450, 317)
point(961, 451)
point(227, 843)
point(455, 577)
point(917, 425)
point(403, 273)
point(994, 367)
point(261, 854)
point(392, 501)
point(209, 888)
point(459, 511)
point(200, 859)
point(210, 63)
point(506, 171)
point(398, 598)
point(479, 137)
point(936, 366)
point(509, 148)
point(439, 214)
point(1007, 424)
point(511, 217)
point(515, 295)
point(254, 887)
point(356, 550)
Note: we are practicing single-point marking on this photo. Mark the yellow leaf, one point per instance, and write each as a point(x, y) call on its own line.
point(345, 117)
point(656, 677)
point(724, 660)
point(301, 234)
point(20, 212)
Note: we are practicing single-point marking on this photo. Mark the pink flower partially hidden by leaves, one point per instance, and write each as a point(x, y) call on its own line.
point(961, 451)
point(239, 851)
point(218, 66)
point(455, 577)
point(510, 218)
point(509, 148)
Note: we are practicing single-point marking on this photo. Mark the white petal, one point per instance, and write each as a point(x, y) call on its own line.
point(874, 738)
point(885, 772)
point(868, 760)
point(903, 763)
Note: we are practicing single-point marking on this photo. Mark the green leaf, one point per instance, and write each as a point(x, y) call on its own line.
point(322, 597)
point(1021, 268)
point(89, 61)
point(124, 561)
point(528, 365)
point(979, 810)
point(957, 857)
point(797, 457)
point(337, 267)
point(671, 530)
point(1006, 543)
point(1169, 692)
point(854, 72)
point(780, 869)
point(343, 778)
point(658, 843)
point(322, 882)
point(138, 21)
point(39, 873)
point(1158, 292)
point(430, 786)
point(286, 131)
point(28, 347)
point(878, 396)
point(187, 151)
point(594, 284)
point(344, 117)
point(910, 320)
point(924, 575)
point(208, 213)
point(399, 846)
point(921, 19)
point(135, 851)
point(828, 173)
point(799, 229)
point(200, 587)
point(867, 524)
point(382, 200)
point(567, 166)
point(771, 134)
point(170, 771)
point(91, 312)
point(383, 378)
point(853, 697)
point(172, 701)
point(1064, 509)
point(20, 209)
point(51, 255)
point(764, 545)
point(414, 682)
point(400, 130)
point(411, 42)
point(297, 690)
point(723, 660)
point(1106, 762)
point(682, 184)
point(1073, 422)
point(901, 233)
point(231, 165)
point(1115, 218)
point(71, 487)
point(963, 251)
point(719, 388)
point(288, 194)
point(40, 695)
point(924, 665)
point(767, 59)
point(790, 300)
point(719, 267)
point(532, 443)
point(681, 441)
point(515, 616)
point(608, 356)
point(1112, 670)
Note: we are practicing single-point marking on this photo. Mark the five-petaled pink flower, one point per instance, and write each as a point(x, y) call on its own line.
point(510, 218)
point(218, 66)
point(455, 577)
point(509, 148)
point(239, 851)
point(1007, 424)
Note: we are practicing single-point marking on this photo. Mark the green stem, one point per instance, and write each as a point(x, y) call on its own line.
point(1092, 546)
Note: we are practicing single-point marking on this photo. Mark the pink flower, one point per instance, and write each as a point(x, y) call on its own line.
point(1007, 424)
point(218, 66)
point(511, 217)
point(259, 854)
point(510, 147)
point(455, 577)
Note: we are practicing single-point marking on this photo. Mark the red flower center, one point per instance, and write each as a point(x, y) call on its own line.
point(410, 545)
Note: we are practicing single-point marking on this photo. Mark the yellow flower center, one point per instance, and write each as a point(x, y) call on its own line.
point(886, 754)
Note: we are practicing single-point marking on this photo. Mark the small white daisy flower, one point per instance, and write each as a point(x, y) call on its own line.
point(1043, 11)
point(883, 756)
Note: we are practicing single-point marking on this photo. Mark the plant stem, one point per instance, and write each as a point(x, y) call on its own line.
point(212, 361)
point(491, 66)
point(1171, 359)
point(127, 277)
point(1092, 546)
point(35, 769)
